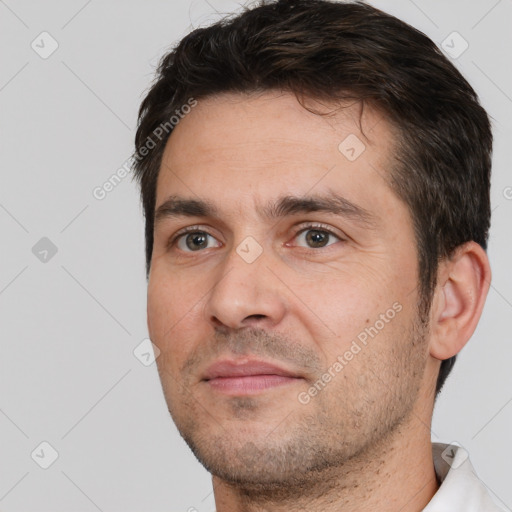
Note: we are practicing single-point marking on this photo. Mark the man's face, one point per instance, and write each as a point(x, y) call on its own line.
point(328, 297)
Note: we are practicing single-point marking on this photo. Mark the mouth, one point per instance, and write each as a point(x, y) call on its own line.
point(247, 377)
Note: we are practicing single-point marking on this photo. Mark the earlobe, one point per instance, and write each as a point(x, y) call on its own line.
point(463, 284)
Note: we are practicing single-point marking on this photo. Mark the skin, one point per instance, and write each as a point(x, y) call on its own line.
point(363, 441)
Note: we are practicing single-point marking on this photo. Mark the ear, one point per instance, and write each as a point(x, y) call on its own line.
point(148, 319)
point(463, 282)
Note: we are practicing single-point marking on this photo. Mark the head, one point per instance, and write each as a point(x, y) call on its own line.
point(255, 124)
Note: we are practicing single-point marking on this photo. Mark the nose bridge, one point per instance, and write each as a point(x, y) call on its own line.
point(244, 289)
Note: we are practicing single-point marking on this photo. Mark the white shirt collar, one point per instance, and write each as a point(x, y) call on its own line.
point(461, 490)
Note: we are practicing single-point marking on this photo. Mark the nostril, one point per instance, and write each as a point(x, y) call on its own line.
point(257, 317)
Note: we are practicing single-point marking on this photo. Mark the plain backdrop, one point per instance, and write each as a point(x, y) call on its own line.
point(72, 281)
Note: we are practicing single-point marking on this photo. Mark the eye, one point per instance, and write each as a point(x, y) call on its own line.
point(193, 240)
point(316, 236)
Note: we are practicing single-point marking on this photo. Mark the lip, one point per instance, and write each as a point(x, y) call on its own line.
point(247, 376)
point(229, 368)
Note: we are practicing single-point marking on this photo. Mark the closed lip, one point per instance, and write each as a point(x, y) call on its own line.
point(229, 368)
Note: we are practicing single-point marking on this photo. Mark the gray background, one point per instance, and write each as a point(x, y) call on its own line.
point(70, 321)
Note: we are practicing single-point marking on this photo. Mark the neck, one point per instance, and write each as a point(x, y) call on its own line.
point(397, 474)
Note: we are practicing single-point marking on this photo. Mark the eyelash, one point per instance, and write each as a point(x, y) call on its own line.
point(315, 226)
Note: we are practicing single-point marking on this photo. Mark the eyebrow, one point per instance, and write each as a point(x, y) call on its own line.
point(177, 206)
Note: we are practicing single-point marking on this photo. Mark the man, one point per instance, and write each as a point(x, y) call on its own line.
point(315, 180)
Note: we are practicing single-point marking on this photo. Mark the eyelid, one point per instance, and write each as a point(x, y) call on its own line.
point(319, 226)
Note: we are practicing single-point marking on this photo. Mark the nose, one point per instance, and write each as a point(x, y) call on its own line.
point(246, 293)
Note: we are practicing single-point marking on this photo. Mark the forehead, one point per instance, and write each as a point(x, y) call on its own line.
point(235, 145)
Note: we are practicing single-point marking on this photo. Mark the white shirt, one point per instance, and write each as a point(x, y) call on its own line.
point(460, 490)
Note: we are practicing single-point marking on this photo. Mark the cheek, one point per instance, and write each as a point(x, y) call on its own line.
point(175, 308)
point(348, 301)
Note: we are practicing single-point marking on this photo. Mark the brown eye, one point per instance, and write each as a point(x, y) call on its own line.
point(194, 240)
point(316, 238)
